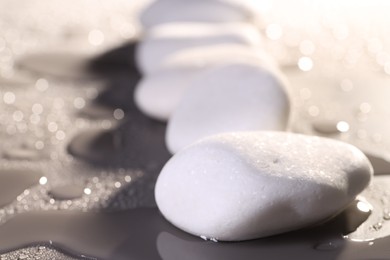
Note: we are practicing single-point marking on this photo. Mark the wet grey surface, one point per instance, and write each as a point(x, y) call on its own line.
point(58, 103)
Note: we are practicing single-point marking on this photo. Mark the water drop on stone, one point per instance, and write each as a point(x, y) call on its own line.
point(386, 215)
point(377, 226)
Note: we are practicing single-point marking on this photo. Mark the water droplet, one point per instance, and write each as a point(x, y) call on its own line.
point(127, 178)
point(329, 245)
point(87, 191)
point(18, 116)
point(119, 114)
point(37, 109)
point(330, 126)
point(66, 192)
point(363, 206)
point(9, 98)
point(60, 135)
point(386, 215)
point(42, 84)
point(342, 126)
point(209, 238)
point(39, 145)
point(305, 64)
point(43, 180)
point(79, 103)
point(377, 226)
point(52, 127)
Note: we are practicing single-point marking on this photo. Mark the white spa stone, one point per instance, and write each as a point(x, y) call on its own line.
point(167, 11)
point(158, 94)
point(247, 185)
point(165, 40)
point(242, 96)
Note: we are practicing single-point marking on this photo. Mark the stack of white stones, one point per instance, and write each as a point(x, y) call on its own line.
point(235, 174)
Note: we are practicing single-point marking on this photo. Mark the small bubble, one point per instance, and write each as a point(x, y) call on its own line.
point(364, 206)
point(305, 64)
point(377, 226)
point(42, 84)
point(18, 116)
point(342, 126)
point(119, 114)
point(37, 109)
point(127, 178)
point(39, 145)
point(117, 184)
point(106, 124)
point(87, 191)
point(325, 126)
point(313, 111)
point(43, 180)
point(9, 98)
point(79, 103)
point(274, 31)
point(60, 135)
point(52, 127)
point(96, 37)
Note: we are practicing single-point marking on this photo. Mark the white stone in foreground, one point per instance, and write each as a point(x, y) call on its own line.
point(164, 11)
point(158, 94)
point(165, 40)
point(240, 186)
point(231, 98)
